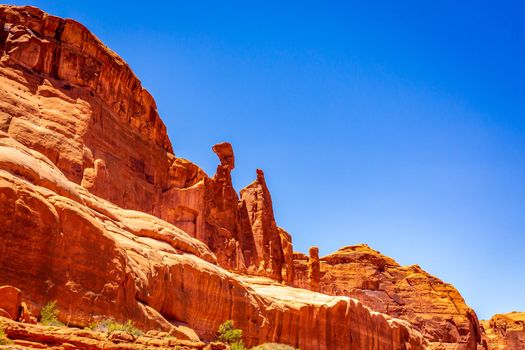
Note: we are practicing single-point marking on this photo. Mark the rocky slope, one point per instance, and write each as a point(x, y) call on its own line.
point(97, 213)
point(505, 332)
point(433, 307)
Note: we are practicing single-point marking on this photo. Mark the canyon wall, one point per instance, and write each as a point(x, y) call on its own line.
point(87, 170)
point(60, 242)
point(97, 212)
point(505, 332)
point(430, 305)
point(64, 94)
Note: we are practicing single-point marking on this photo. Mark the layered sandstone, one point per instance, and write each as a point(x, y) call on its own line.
point(87, 170)
point(66, 95)
point(112, 224)
point(432, 306)
point(25, 336)
point(505, 332)
point(60, 242)
point(273, 245)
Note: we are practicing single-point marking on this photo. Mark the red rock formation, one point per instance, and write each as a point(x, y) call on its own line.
point(75, 123)
point(287, 270)
point(272, 259)
point(208, 209)
point(314, 269)
point(25, 315)
point(66, 95)
point(82, 147)
point(10, 299)
point(409, 293)
point(99, 261)
point(505, 332)
point(24, 336)
point(80, 105)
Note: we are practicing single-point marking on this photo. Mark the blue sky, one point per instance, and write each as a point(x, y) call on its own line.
point(397, 124)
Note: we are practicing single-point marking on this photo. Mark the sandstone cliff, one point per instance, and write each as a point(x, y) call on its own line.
point(430, 305)
point(505, 332)
point(97, 213)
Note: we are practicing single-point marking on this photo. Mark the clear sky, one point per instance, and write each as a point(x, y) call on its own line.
point(400, 124)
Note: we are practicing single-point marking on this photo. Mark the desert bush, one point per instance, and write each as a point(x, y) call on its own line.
point(49, 314)
point(230, 335)
point(109, 326)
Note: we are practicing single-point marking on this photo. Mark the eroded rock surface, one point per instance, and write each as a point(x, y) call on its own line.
point(100, 261)
point(66, 95)
point(409, 293)
point(112, 224)
point(273, 245)
point(505, 332)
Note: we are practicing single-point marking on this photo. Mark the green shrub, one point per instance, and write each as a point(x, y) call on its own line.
point(4, 340)
point(109, 326)
point(273, 346)
point(231, 336)
point(49, 314)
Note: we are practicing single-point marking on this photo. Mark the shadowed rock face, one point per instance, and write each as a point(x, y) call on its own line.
point(505, 332)
point(409, 293)
point(92, 198)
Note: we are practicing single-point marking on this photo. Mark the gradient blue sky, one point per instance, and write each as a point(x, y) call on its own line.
point(398, 124)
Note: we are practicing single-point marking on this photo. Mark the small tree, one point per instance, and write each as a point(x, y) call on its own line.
point(231, 336)
point(49, 314)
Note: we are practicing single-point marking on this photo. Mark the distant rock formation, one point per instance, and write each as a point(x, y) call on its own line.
point(505, 332)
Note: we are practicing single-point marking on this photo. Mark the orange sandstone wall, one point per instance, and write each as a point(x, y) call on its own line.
point(66, 95)
point(432, 306)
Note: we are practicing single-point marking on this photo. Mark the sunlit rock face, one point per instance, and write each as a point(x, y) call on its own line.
point(97, 212)
point(505, 332)
point(71, 98)
point(430, 305)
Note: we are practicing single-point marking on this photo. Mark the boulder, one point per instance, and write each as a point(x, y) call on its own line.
point(10, 300)
point(505, 332)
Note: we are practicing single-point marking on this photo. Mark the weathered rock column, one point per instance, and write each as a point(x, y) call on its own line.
point(314, 269)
